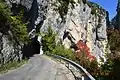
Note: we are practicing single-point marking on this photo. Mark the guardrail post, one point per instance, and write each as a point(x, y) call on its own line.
point(68, 66)
point(83, 78)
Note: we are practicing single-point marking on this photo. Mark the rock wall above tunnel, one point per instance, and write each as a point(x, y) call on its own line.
point(83, 20)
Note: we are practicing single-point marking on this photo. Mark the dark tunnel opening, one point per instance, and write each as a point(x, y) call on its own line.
point(31, 48)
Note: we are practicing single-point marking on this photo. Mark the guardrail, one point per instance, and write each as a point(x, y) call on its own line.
point(86, 76)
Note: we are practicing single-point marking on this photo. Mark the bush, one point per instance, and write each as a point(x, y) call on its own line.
point(13, 23)
point(96, 9)
point(114, 39)
point(107, 71)
point(111, 67)
point(63, 8)
point(83, 49)
point(85, 59)
point(48, 40)
point(62, 51)
point(11, 65)
point(19, 29)
point(51, 47)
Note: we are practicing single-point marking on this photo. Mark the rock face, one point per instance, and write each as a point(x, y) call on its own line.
point(76, 18)
point(9, 49)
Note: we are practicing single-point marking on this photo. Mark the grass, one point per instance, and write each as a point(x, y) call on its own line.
point(11, 65)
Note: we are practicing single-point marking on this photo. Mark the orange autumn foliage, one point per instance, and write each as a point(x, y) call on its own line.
point(83, 49)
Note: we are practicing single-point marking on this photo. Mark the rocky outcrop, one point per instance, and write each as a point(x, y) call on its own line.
point(79, 19)
point(9, 49)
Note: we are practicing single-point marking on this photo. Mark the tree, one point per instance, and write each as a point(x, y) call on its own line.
point(48, 40)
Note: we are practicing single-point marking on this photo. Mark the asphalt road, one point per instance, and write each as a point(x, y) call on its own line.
point(39, 67)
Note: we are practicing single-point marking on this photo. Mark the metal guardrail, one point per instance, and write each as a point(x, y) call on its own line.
point(87, 75)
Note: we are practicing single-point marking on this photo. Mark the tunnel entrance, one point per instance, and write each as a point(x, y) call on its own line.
point(31, 48)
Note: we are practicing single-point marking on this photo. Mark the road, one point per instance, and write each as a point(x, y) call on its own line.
point(39, 67)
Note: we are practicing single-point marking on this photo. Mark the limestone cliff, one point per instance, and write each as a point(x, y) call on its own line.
point(9, 49)
point(82, 20)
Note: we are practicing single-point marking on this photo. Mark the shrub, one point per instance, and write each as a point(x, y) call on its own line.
point(11, 65)
point(51, 47)
point(114, 39)
point(108, 71)
point(82, 48)
point(96, 9)
point(111, 67)
point(84, 58)
point(62, 51)
point(13, 23)
point(63, 8)
point(48, 40)
point(19, 29)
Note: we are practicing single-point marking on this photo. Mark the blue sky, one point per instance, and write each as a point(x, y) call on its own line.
point(109, 5)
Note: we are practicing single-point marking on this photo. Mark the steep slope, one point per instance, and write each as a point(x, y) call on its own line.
point(79, 19)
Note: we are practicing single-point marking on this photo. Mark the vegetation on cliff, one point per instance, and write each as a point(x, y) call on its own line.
point(16, 29)
point(96, 9)
point(107, 71)
point(12, 23)
point(51, 47)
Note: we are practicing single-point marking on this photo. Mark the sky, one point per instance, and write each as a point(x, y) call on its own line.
point(109, 5)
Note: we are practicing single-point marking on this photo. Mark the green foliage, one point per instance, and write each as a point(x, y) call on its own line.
point(114, 39)
point(63, 8)
point(110, 69)
point(62, 51)
point(107, 71)
point(13, 23)
point(19, 29)
point(11, 65)
point(96, 9)
point(90, 66)
point(48, 40)
point(51, 47)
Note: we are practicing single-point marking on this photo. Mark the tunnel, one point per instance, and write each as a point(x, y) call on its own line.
point(33, 47)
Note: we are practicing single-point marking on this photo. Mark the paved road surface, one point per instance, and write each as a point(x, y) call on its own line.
point(39, 68)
